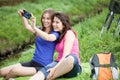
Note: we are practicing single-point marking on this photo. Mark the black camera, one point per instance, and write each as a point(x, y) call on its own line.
point(26, 14)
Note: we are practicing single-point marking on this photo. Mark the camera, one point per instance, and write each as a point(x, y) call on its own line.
point(26, 14)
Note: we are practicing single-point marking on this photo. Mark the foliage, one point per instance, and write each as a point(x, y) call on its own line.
point(12, 32)
point(88, 31)
point(90, 41)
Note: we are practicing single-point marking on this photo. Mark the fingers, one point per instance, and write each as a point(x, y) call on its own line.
point(48, 70)
point(20, 11)
point(30, 21)
point(33, 22)
point(50, 76)
point(33, 17)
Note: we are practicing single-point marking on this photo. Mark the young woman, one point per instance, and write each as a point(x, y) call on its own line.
point(67, 63)
point(46, 40)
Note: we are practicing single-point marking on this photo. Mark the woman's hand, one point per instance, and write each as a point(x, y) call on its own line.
point(33, 22)
point(51, 74)
point(20, 11)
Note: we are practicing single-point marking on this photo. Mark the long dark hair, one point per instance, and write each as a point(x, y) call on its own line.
point(50, 11)
point(65, 21)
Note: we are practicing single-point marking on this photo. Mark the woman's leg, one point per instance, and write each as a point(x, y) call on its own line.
point(38, 76)
point(42, 73)
point(6, 70)
point(20, 71)
point(65, 67)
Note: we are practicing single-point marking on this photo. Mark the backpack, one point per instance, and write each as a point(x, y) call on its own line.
point(103, 67)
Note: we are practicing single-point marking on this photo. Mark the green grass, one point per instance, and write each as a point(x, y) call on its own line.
point(12, 32)
point(90, 43)
point(27, 55)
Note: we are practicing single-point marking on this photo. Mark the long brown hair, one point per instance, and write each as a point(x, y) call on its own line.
point(65, 21)
point(50, 11)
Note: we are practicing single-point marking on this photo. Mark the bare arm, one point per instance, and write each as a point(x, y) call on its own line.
point(32, 28)
point(25, 22)
point(42, 34)
point(69, 40)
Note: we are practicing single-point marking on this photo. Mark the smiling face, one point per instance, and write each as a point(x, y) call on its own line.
point(61, 24)
point(46, 20)
point(57, 25)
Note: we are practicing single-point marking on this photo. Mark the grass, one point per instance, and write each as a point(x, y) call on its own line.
point(27, 55)
point(12, 32)
point(83, 76)
point(88, 31)
point(90, 43)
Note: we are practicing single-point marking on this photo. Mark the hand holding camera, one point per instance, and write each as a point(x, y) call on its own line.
point(27, 15)
point(24, 13)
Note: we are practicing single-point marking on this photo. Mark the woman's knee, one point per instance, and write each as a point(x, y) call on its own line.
point(69, 60)
point(15, 70)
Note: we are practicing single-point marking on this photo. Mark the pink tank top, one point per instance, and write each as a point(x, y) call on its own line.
point(75, 48)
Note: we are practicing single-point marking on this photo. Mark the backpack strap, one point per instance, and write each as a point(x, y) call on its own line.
point(92, 73)
point(103, 65)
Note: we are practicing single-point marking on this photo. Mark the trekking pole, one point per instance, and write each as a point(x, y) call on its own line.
point(111, 19)
point(104, 24)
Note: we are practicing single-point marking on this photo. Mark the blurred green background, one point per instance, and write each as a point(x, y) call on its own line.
point(86, 16)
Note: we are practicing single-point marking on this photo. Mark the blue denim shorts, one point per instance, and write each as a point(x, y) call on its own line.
point(74, 72)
